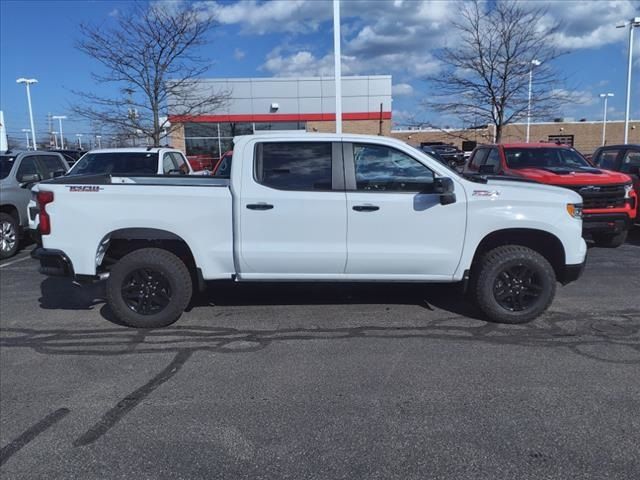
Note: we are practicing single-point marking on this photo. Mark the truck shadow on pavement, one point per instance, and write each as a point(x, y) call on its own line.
point(612, 337)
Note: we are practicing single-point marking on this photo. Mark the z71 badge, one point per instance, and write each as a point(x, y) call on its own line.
point(84, 188)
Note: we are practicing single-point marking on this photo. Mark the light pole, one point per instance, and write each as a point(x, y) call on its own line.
point(55, 139)
point(26, 134)
point(60, 118)
point(79, 135)
point(534, 63)
point(27, 82)
point(98, 137)
point(634, 22)
point(604, 115)
point(337, 64)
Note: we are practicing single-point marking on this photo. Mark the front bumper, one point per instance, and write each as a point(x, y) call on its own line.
point(570, 273)
point(54, 263)
point(613, 223)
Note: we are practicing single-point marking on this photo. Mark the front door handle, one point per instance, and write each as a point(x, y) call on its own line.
point(366, 208)
point(259, 206)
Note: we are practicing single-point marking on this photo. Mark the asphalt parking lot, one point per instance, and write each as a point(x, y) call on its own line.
point(321, 381)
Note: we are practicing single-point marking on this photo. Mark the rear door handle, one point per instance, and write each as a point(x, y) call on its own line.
point(366, 208)
point(259, 206)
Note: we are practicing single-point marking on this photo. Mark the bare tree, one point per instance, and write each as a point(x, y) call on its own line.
point(151, 55)
point(486, 74)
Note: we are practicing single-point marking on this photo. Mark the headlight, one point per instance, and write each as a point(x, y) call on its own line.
point(627, 191)
point(574, 209)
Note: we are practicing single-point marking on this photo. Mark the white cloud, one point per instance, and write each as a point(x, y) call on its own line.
point(239, 54)
point(298, 16)
point(591, 24)
point(402, 89)
point(114, 13)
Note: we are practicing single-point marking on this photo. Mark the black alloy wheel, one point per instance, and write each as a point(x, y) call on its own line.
point(517, 288)
point(146, 291)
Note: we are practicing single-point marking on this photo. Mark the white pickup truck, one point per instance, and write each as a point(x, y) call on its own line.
point(312, 207)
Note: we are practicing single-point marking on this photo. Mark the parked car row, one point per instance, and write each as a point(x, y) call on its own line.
point(21, 170)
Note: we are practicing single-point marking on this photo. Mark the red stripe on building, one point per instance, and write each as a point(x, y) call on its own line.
point(278, 117)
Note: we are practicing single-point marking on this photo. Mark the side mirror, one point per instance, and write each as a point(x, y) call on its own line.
point(59, 173)
point(29, 179)
point(487, 169)
point(445, 188)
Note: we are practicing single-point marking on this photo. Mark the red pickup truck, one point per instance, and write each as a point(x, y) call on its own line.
point(610, 203)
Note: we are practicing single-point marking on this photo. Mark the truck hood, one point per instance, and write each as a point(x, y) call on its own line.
point(525, 189)
point(562, 176)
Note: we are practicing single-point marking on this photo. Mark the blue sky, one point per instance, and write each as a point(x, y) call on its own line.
point(294, 37)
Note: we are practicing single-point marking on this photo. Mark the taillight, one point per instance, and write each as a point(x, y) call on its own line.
point(45, 221)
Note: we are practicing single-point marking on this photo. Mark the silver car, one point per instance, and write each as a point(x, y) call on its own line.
point(19, 171)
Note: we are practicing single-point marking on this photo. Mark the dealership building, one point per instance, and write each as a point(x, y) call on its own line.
point(257, 105)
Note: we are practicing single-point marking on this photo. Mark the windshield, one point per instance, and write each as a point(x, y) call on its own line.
point(544, 158)
point(117, 163)
point(6, 162)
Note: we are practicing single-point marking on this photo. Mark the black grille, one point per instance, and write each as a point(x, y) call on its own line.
point(601, 196)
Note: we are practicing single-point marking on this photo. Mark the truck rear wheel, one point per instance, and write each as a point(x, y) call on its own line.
point(610, 240)
point(513, 284)
point(149, 288)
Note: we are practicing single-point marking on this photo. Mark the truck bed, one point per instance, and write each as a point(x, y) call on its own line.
point(89, 210)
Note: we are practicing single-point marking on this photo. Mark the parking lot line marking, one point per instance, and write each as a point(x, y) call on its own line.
point(12, 262)
point(47, 422)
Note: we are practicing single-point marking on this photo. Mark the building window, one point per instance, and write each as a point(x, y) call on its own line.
point(211, 140)
point(562, 139)
point(280, 126)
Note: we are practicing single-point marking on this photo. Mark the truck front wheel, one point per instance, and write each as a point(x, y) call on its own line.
point(513, 284)
point(149, 288)
point(610, 240)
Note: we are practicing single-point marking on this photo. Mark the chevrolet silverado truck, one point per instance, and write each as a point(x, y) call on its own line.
point(610, 203)
point(312, 207)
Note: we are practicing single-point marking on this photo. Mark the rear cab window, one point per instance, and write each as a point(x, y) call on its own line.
point(301, 166)
point(117, 163)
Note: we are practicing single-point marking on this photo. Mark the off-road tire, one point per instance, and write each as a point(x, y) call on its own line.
point(9, 219)
point(608, 240)
point(169, 267)
point(484, 278)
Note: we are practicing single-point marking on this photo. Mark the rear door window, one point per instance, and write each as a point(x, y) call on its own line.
point(294, 165)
